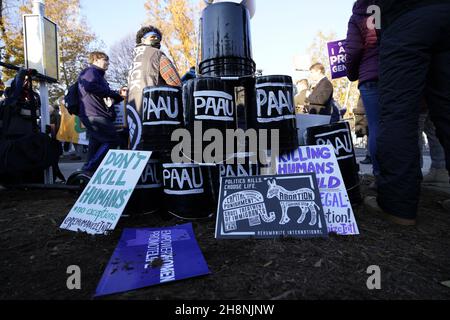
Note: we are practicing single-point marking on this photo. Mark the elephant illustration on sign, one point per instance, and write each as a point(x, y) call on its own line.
point(304, 199)
point(245, 205)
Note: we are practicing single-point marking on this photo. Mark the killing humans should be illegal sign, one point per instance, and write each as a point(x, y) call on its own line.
point(102, 202)
point(336, 204)
point(270, 207)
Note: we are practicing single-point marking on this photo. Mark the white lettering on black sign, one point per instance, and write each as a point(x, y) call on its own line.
point(274, 102)
point(214, 105)
point(340, 140)
point(238, 170)
point(160, 109)
point(181, 179)
point(135, 72)
point(149, 178)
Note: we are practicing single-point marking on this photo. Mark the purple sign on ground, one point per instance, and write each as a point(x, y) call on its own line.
point(336, 52)
point(148, 257)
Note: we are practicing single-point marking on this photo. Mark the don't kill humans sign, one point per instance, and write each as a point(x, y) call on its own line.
point(102, 202)
point(270, 207)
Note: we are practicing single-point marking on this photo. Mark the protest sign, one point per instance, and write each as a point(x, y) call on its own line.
point(339, 136)
point(270, 207)
point(336, 204)
point(135, 127)
point(147, 257)
point(305, 121)
point(336, 53)
point(102, 202)
point(120, 120)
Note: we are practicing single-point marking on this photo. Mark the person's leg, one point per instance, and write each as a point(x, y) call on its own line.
point(422, 120)
point(438, 97)
point(404, 64)
point(437, 153)
point(104, 137)
point(370, 96)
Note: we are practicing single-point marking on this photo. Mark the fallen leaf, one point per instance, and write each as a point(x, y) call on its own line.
point(446, 284)
point(318, 264)
point(268, 264)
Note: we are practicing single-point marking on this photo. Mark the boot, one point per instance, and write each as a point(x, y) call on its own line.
point(436, 176)
point(371, 205)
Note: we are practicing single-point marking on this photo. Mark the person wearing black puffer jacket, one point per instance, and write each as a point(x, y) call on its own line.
point(414, 62)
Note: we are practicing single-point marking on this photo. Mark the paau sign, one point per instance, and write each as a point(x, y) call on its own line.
point(270, 207)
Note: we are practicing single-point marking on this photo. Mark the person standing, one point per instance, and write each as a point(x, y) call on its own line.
point(300, 97)
point(438, 175)
point(362, 51)
point(97, 111)
point(150, 67)
point(318, 102)
point(414, 61)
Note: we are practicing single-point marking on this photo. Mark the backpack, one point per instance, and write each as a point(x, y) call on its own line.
point(72, 99)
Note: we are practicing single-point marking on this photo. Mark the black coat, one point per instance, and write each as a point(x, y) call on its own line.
point(392, 9)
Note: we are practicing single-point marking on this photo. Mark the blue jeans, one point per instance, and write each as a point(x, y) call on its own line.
point(370, 97)
point(437, 153)
point(102, 137)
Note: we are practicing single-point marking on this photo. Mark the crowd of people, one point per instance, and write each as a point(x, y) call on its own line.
point(403, 74)
point(403, 69)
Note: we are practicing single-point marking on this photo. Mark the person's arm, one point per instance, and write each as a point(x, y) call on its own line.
point(94, 85)
point(168, 72)
point(322, 93)
point(354, 47)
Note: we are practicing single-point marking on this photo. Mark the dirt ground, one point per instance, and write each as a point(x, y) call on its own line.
point(35, 255)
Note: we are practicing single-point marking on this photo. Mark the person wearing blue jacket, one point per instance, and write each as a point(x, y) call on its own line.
point(96, 110)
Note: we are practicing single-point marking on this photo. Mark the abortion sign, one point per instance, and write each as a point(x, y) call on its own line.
point(147, 257)
point(336, 204)
point(102, 202)
point(270, 207)
point(336, 53)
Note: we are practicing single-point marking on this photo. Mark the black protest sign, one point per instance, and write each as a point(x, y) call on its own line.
point(162, 106)
point(134, 126)
point(270, 207)
point(274, 102)
point(338, 135)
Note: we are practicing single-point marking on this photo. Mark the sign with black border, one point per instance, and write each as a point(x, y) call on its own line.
point(265, 207)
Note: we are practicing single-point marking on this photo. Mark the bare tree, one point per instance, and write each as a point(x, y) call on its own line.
point(121, 58)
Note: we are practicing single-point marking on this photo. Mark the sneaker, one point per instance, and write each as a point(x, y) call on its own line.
point(367, 160)
point(371, 205)
point(436, 176)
